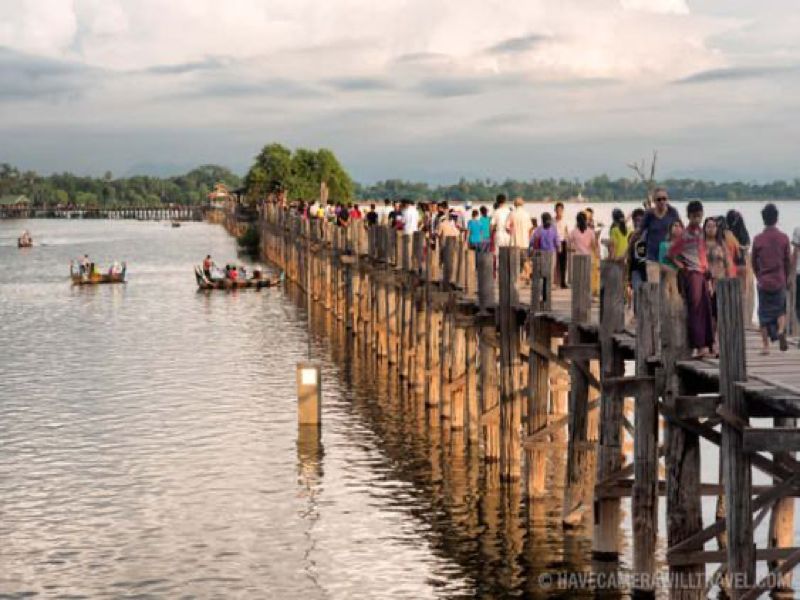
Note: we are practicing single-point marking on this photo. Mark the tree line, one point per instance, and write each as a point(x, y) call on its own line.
point(597, 189)
point(299, 175)
point(66, 189)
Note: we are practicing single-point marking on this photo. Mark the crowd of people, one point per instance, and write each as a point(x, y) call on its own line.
point(700, 249)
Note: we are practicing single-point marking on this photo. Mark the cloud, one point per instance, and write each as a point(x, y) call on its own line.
point(738, 73)
point(359, 84)
point(24, 76)
point(678, 7)
point(451, 88)
point(208, 64)
point(517, 44)
point(278, 87)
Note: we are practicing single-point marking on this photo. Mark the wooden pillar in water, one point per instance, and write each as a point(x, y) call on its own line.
point(488, 392)
point(472, 414)
point(458, 377)
point(737, 475)
point(609, 456)
point(682, 447)
point(510, 401)
point(577, 450)
point(539, 372)
point(644, 501)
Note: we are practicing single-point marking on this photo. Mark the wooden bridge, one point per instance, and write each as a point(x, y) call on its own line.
point(512, 365)
point(154, 213)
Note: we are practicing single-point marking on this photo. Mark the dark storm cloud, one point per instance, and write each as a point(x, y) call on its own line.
point(23, 76)
point(516, 45)
point(738, 73)
point(359, 84)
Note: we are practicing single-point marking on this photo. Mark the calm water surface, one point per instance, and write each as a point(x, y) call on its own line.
point(149, 447)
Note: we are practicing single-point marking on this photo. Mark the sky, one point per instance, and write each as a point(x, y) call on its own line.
point(429, 90)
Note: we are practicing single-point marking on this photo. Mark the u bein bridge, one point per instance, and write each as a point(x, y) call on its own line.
point(510, 366)
point(157, 213)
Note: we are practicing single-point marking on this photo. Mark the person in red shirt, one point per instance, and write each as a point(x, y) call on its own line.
point(688, 252)
point(355, 213)
point(772, 264)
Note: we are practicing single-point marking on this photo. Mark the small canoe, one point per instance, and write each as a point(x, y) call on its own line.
point(204, 283)
point(97, 278)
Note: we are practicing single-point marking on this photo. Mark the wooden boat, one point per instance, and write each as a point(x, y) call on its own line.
point(257, 282)
point(176, 223)
point(97, 277)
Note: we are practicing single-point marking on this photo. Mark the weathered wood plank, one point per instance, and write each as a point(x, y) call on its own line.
point(737, 475)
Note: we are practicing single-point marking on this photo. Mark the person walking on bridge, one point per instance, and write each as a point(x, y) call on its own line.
point(654, 228)
point(772, 266)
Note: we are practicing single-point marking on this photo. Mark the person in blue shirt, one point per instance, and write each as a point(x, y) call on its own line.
point(486, 230)
point(474, 231)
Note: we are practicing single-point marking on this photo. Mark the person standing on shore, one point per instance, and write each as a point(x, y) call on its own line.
point(654, 228)
point(772, 266)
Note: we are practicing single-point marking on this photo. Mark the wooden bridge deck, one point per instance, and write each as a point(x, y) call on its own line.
point(483, 355)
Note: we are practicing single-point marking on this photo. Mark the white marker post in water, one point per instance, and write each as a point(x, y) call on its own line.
point(309, 394)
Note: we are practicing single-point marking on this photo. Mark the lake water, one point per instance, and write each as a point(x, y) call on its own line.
point(149, 446)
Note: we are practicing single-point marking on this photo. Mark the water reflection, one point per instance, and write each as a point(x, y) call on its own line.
point(501, 543)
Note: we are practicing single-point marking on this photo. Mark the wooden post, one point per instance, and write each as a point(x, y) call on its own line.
point(682, 447)
point(575, 491)
point(485, 281)
point(510, 409)
point(644, 501)
point(781, 522)
point(458, 378)
point(737, 475)
point(541, 281)
point(448, 262)
point(538, 400)
point(470, 271)
point(473, 416)
point(309, 395)
point(489, 398)
point(609, 459)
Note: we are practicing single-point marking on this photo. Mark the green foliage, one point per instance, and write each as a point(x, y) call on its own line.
point(597, 189)
point(250, 240)
point(65, 188)
point(299, 174)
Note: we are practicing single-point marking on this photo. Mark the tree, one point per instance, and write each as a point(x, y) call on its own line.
point(271, 172)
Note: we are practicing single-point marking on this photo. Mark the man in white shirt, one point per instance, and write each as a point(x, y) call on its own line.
point(498, 223)
point(410, 217)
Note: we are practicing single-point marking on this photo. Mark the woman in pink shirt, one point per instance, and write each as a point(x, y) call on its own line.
point(582, 238)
